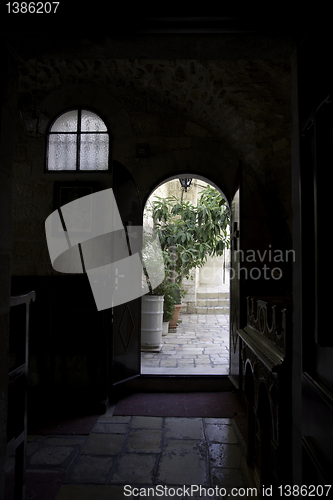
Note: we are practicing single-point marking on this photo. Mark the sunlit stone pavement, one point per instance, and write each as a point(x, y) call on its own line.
point(199, 346)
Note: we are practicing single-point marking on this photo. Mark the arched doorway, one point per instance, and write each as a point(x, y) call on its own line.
point(200, 343)
point(143, 186)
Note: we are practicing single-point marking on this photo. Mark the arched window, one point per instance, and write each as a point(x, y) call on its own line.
point(78, 140)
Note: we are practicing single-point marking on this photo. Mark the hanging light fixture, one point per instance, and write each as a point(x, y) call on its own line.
point(185, 183)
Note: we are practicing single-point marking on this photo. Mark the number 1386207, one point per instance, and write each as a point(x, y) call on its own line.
point(32, 7)
point(305, 490)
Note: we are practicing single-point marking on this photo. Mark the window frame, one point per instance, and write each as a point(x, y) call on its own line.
point(78, 134)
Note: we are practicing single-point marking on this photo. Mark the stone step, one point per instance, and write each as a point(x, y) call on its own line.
point(212, 295)
point(212, 310)
point(213, 302)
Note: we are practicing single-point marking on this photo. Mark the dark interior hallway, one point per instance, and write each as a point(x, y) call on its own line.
point(242, 101)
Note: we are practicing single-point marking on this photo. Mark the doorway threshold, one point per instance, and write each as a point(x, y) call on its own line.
point(213, 371)
point(180, 383)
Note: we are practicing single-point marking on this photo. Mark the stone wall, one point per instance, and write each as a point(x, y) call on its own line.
point(202, 113)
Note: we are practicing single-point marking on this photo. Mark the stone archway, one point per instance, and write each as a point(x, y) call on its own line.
point(200, 345)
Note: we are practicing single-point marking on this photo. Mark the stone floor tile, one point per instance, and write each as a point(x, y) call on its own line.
point(195, 331)
point(109, 428)
point(144, 441)
point(227, 477)
point(183, 462)
point(59, 456)
point(218, 362)
point(168, 362)
point(212, 350)
point(221, 433)
point(215, 420)
point(64, 440)
point(103, 444)
point(114, 419)
point(133, 468)
point(183, 428)
point(225, 455)
point(141, 422)
point(90, 470)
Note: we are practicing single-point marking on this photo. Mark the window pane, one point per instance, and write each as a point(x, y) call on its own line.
point(62, 152)
point(91, 122)
point(94, 151)
point(67, 122)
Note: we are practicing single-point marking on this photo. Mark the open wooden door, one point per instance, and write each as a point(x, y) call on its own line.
point(236, 298)
point(316, 156)
point(126, 318)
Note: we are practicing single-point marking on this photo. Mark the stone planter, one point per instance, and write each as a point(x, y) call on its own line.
point(173, 323)
point(165, 328)
point(151, 321)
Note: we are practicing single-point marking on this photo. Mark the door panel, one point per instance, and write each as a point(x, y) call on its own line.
point(235, 283)
point(126, 321)
point(316, 156)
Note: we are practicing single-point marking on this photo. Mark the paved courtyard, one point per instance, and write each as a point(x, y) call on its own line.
point(199, 346)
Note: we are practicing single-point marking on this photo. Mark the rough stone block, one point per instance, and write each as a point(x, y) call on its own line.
point(109, 428)
point(182, 463)
point(225, 455)
point(89, 469)
point(101, 444)
point(144, 441)
point(221, 433)
point(135, 469)
point(147, 422)
point(183, 428)
point(52, 456)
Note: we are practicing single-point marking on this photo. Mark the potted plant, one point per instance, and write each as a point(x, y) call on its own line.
point(168, 289)
point(177, 294)
point(171, 288)
point(188, 234)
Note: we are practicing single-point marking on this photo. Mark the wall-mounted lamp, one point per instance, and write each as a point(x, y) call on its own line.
point(185, 183)
point(35, 123)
